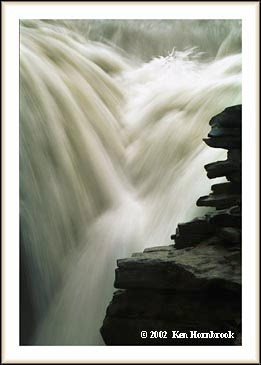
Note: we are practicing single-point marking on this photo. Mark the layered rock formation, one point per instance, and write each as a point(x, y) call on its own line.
point(174, 293)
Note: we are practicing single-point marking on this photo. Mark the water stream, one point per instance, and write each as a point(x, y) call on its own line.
point(112, 116)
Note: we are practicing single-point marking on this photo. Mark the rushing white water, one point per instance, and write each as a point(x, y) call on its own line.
point(112, 116)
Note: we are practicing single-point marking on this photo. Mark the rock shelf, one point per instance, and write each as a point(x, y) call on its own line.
point(194, 285)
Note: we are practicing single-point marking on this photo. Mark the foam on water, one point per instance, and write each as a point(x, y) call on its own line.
point(111, 152)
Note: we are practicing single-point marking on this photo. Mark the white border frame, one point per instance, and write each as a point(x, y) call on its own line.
point(12, 12)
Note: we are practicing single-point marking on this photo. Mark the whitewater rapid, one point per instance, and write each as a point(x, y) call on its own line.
point(111, 153)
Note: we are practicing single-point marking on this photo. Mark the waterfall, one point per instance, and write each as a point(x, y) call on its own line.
point(112, 116)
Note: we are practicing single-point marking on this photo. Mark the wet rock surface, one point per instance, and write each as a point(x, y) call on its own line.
point(198, 268)
point(222, 168)
point(226, 129)
point(223, 142)
point(225, 218)
point(225, 197)
point(219, 201)
point(231, 117)
point(194, 286)
point(226, 188)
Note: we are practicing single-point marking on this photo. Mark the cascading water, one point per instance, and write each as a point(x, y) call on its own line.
point(112, 116)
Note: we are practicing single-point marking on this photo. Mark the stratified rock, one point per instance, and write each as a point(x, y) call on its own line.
point(225, 218)
point(197, 225)
point(226, 188)
point(222, 132)
point(234, 155)
point(226, 129)
point(223, 142)
point(234, 177)
point(220, 201)
point(196, 284)
point(193, 232)
point(188, 240)
point(127, 331)
point(230, 118)
point(230, 234)
point(164, 304)
point(186, 269)
point(133, 311)
point(236, 210)
point(223, 168)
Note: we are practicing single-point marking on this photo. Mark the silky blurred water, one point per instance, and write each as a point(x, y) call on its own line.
point(112, 116)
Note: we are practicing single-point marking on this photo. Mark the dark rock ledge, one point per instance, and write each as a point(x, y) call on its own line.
point(194, 285)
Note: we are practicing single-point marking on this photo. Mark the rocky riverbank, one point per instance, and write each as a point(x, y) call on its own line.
point(194, 286)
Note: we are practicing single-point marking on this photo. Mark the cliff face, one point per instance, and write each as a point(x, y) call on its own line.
point(175, 293)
